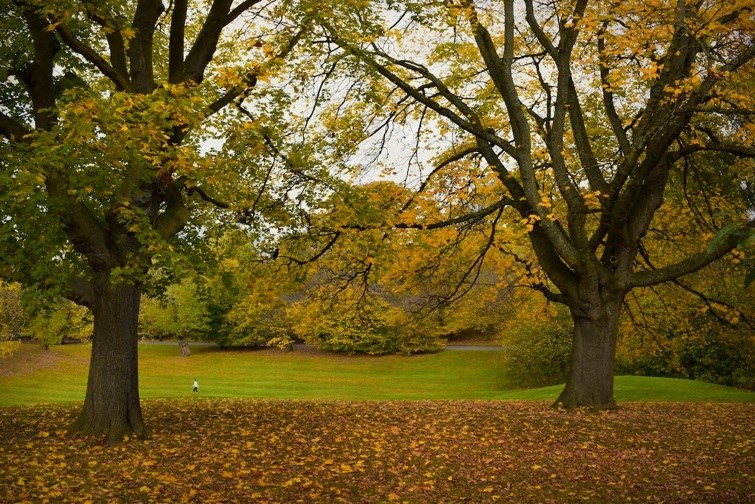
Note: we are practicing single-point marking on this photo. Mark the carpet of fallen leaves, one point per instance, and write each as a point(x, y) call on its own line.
point(224, 450)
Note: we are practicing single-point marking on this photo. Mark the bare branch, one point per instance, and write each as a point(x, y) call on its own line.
point(466, 124)
point(717, 248)
point(121, 81)
point(240, 9)
point(472, 217)
point(608, 99)
point(320, 253)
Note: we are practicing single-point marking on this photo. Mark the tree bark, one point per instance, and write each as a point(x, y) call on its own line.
point(112, 407)
point(589, 382)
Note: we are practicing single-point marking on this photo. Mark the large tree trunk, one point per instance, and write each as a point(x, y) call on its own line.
point(589, 382)
point(111, 407)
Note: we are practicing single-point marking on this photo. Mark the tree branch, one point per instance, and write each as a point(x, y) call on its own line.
point(240, 9)
point(456, 156)
point(176, 214)
point(81, 291)
point(608, 101)
point(12, 129)
point(140, 46)
point(501, 72)
point(475, 216)
point(121, 81)
point(319, 254)
point(587, 157)
point(176, 43)
point(251, 80)
point(420, 97)
point(722, 243)
point(204, 46)
point(114, 38)
point(731, 148)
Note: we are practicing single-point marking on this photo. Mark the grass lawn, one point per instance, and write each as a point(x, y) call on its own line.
point(59, 375)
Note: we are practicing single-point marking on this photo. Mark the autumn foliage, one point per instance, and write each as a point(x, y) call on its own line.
point(448, 451)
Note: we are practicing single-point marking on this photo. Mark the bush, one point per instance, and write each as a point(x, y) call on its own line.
point(728, 361)
point(258, 319)
point(537, 347)
point(651, 362)
point(723, 356)
point(8, 348)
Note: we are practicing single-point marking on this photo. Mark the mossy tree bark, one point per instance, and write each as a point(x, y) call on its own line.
point(111, 408)
point(590, 378)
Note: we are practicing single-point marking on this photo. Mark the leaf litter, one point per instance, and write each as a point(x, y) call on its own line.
point(233, 450)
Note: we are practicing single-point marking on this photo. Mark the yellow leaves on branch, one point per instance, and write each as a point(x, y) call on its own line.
point(592, 199)
point(529, 222)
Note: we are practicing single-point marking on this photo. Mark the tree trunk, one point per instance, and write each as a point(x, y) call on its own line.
point(589, 382)
point(111, 407)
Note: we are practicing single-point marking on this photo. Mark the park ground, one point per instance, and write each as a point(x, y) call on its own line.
point(334, 449)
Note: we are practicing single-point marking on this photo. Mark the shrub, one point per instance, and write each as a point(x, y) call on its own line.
point(537, 346)
point(8, 348)
point(725, 360)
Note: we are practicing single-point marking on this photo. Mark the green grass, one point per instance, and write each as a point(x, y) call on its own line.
point(36, 376)
point(646, 388)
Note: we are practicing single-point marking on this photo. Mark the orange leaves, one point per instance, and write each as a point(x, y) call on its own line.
point(285, 451)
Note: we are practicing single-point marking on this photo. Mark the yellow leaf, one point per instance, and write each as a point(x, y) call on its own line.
point(128, 33)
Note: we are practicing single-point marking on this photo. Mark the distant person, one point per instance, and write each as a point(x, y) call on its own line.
point(195, 386)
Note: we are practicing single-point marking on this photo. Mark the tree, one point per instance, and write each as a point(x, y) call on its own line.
point(59, 321)
point(108, 111)
point(377, 292)
point(178, 313)
point(582, 110)
point(12, 318)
